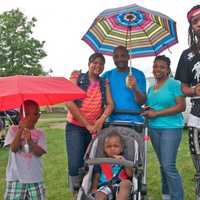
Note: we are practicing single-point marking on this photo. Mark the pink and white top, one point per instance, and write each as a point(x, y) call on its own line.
point(91, 106)
point(22, 166)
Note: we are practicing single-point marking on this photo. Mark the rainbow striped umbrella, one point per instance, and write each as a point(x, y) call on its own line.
point(144, 32)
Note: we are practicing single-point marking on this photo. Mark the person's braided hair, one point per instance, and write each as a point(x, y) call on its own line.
point(192, 40)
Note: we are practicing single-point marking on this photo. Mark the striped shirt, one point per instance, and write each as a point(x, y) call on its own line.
point(91, 107)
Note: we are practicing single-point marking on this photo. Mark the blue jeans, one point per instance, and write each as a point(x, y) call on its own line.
point(165, 143)
point(77, 140)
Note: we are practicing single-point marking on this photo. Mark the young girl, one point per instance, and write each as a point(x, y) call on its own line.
point(24, 170)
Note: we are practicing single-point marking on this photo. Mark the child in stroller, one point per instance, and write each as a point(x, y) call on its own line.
point(133, 160)
point(102, 186)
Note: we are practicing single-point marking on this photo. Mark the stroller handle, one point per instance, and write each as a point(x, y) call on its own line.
point(124, 162)
point(126, 112)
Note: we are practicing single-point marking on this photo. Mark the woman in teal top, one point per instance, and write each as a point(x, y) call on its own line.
point(166, 102)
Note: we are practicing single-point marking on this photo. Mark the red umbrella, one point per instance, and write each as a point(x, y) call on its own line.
point(44, 90)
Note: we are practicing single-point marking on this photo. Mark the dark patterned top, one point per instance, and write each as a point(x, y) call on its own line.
point(188, 71)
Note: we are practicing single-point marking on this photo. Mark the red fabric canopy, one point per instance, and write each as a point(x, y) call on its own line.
point(44, 90)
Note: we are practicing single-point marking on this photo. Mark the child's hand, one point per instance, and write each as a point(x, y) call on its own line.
point(27, 134)
point(22, 126)
point(119, 157)
point(23, 123)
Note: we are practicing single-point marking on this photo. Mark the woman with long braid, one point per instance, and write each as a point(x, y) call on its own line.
point(188, 72)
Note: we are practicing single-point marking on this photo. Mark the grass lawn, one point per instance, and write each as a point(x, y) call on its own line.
point(55, 163)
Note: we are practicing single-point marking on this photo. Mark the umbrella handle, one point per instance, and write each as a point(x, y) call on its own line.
point(130, 73)
point(130, 70)
point(23, 110)
point(130, 66)
point(26, 147)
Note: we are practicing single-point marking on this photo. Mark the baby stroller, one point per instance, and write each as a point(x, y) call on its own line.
point(7, 118)
point(135, 152)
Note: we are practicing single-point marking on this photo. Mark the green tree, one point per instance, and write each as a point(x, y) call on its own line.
point(20, 53)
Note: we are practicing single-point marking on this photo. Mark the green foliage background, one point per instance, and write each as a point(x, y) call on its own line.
point(55, 163)
point(20, 52)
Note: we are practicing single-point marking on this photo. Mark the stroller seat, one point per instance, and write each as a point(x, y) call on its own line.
point(133, 151)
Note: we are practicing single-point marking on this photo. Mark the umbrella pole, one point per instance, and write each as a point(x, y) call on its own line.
point(130, 67)
point(128, 39)
point(23, 110)
point(130, 60)
point(26, 146)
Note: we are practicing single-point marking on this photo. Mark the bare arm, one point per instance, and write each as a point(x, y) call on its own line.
point(109, 102)
point(15, 145)
point(129, 171)
point(35, 148)
point(179, 107)
point(73, 108)
point(108, 110)
point(95, 182)
point(140, 97)
point(190, 91)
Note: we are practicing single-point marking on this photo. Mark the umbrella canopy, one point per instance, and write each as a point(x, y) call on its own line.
point(42, 89)
point(144, 32)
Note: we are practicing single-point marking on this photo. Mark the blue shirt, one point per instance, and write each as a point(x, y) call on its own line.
point(165, 97)
point(123, 97)
point(102, 179)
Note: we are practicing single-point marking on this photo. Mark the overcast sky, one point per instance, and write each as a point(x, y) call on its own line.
point(62, 23)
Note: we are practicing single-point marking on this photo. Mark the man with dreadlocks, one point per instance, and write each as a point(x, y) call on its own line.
point(188, 72)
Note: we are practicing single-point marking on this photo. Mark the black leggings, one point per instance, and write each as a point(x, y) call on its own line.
point(194, 145)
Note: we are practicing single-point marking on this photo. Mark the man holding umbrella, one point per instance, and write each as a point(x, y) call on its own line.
point(127, 89)
point(136, 29)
